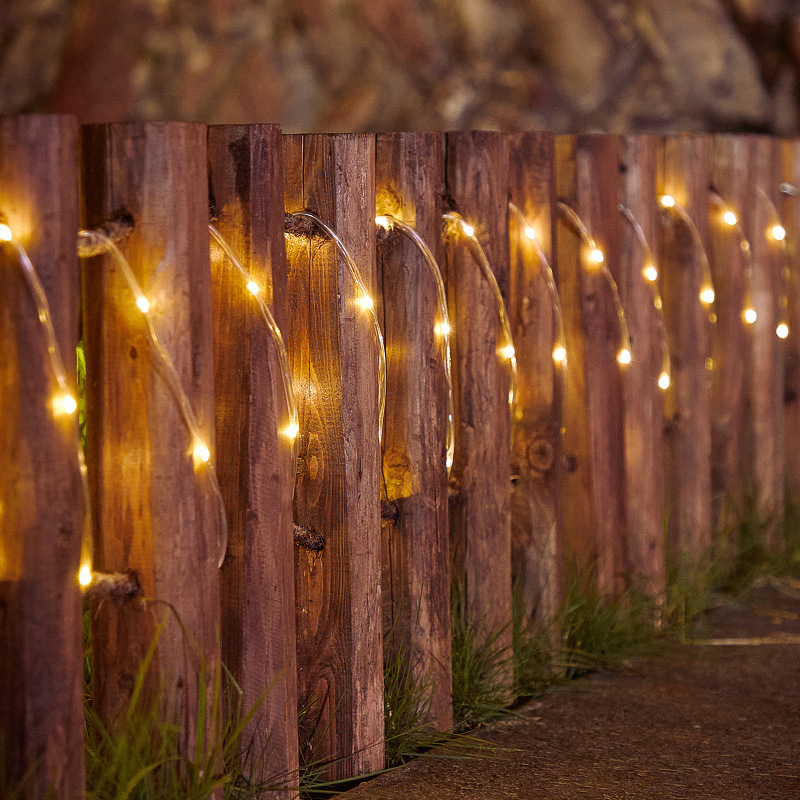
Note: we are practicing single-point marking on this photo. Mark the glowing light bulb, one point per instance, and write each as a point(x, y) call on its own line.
point(201, 453)
point(5, 233)
point(85, 575)
point(467, 229)
point(507, 351)
point(667, 201)
point(559, 354)
point(749, 315)
point(382, 222)
point(253, 288)
point(624, 356)
point(366, 302)
point(530, 232)
point(64, 404)
point(729, 218)
point(663, 381)
point(782, 331)
point(707, 295)
point(596, 255)
point(143, 303)
point(658, 304)
point(650, 273)
point(443, 329)
point(778, 233)
point(291, 430)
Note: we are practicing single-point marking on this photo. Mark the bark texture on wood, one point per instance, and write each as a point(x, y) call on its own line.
point(416, 555)
point(334, 366)
point(254, 456)
point(41, 503)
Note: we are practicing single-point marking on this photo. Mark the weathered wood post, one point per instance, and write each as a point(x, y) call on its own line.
point(537, 453)
point(587, 174)
point(416, 554)
point(41, 504)
point(334, 363)
point(254, 445)
point(156, 511)
point(477, 183)
point(684, 171)
point(645, 379)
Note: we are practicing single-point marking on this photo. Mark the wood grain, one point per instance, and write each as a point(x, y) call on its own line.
point(537, 452)
point(254, 459)
point(155, 514)
point(41, 657)
point(644, 401)
point(340, 680)
point(684, 172)
point(416, 560)
point(477, 183)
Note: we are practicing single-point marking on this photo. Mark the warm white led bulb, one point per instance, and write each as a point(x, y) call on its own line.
point(5, 233)
point(596, 255)
point(707, 295)
point(624, 356)
point(530, 232)
point(778, 233)
point(650, 273)
point(443, 328)
point(291, 430)
point(559, 354)
point(667, 200)
point(201, 453)
point(782, 331)
point(663, 381)
point(467, 229)
point(382, 222)
point(366, 302)
point(749, 315)
point(64, 404)
point(85, 575)
point(253, 288)
point(729, 218)
point(508, 351)
point(143, 303)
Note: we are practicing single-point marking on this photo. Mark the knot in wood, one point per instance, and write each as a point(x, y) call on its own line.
point(116, 229)
point(299, 226)
point(114, 584)
point(389, 510)
point(309, 539)
point(540, 454)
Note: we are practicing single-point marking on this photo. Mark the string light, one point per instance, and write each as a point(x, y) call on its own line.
point(560, 354)
point(624, 352)
point(355, 275)
point(292, 428)
point(442, 327)
point(650, 274)
point(529, 232)
point(778, 234)
point(782, 331)
point(457, 223)
point(166, 368)
point(64, 402)
point(729, 218)
point(143, 303)
point(707, 295)
point(749, 315)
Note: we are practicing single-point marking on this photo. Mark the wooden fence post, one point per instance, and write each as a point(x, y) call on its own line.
point(41, 658)
point(587, 170)
point(684, 169)
point(644, 400)
point(254, 452)
point(477, 183)
point(156, 513)
point(333, 361)
point(536, 454)
point(416, 554)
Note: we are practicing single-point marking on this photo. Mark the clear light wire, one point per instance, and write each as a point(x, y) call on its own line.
point(170, 376)
point(57, 367)
point(589, 242)
point(444, 325)
point(507, 349)
point(286, 375)
point(666, 368)
point(778, 235)
point(377, 334)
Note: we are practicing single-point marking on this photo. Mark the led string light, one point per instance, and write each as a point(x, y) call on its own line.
point(728, 216)
point(64, 402)
point(595, 260)
point(293, 426)
point(776, 234)
point(442, 327)
point(201, 454)
point(650, 275)
point(457, 223)
point(365, 301)
point(707, 293)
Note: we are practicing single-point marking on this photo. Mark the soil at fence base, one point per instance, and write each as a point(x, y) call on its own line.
point(719, 723)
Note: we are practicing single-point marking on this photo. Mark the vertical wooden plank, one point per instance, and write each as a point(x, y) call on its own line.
point(644, 401)
point(684, 170)
point(477, 183)
point(767, 350)
point(590, 186)
point(732, 181)
point(338, 493)
point(416, 555)
point(790, 211)
point(156, 513)
point(254, 459)
point(41, 659)
point(536, 454)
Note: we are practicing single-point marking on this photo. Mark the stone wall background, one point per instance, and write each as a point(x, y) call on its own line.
point(360, 65)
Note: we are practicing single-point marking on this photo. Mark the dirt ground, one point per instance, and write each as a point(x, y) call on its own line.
point(714, 721)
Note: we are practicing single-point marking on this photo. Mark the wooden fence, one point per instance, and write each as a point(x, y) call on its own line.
point(657, 388)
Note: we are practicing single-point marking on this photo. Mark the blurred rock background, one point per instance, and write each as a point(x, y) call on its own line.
point(362, 65)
